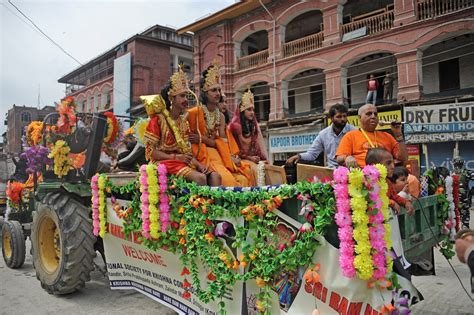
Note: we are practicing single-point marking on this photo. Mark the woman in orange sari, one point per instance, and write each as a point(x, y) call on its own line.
point(208, 132)
point(167, 133)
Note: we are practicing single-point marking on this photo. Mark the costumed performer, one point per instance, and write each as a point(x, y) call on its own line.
point(244, 128)
point(167, 133)
point(208, 134)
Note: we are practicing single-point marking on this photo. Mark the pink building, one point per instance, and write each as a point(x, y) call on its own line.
point(140, 65)
point(301, 57)
point(304, 56)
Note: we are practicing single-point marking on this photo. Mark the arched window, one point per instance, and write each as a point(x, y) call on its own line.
point(25, 117)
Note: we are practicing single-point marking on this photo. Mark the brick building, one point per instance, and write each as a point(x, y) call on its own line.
point(140, 65)
point(301, 57)
point(17, 118)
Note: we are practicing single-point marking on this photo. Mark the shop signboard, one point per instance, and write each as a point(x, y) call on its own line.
point(439, 123)
point(291, 142)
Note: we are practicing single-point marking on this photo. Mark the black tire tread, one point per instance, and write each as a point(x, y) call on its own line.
point(18, 245)
point(77, 244)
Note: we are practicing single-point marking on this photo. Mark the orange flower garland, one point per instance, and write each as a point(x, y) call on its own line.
point(34, 133)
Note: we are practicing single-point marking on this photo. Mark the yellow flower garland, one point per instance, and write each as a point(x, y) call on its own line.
point(102, 205)
point(153, 191)
point(363, 260)
point(60, 154)
point(385, 211)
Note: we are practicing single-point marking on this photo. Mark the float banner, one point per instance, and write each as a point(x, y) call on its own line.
point(157, 274)
point(439, 123)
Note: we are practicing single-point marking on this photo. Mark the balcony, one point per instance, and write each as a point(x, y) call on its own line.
point(303, 45)
point(428, 9)
point(374, 22)
point(253, 60)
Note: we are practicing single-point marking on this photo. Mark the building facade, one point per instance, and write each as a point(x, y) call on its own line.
point(17, 118)
point(301, 57)
point(140, 65)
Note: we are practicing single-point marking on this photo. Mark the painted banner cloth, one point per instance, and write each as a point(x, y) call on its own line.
point(157, 274)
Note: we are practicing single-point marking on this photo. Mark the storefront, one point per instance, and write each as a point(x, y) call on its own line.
point(443, 132)
point(287, 141)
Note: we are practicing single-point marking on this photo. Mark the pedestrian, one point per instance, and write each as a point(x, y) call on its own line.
point(465, 251)
point(387, 88)
point(328, 139)
point(372, 86)
point(355, 144)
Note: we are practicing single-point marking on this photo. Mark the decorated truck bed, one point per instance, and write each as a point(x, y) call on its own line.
point(276, 249)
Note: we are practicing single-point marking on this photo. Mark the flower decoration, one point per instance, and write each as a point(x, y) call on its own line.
point(14, 191)
point(36, 158)
point(114, 135)
point(67, 116)
point(139, 130)
point(59, 153)
point(364, 233)
point(34, 133)
point(99, 212)
point(450, 225)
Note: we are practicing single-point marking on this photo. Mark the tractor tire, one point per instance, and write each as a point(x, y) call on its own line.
point(62, 244)
point(13, 244)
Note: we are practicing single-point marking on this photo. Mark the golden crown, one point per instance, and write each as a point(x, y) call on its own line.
point(179, 83)
point(154, 104)
point(213, 77)
point(247, 101)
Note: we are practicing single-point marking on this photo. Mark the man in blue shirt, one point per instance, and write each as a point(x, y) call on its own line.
point(328, 139)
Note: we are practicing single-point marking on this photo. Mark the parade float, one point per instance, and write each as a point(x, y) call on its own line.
point(289, 249)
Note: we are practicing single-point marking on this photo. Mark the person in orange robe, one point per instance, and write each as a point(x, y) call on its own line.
point(167, 133)
point(208, 135)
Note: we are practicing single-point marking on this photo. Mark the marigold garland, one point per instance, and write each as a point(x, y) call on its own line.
point(34, 133)
point(364, 236)
point(95, 204)
point(150, 191)
point(99, 203)
point(344, 221)
point(60, 154)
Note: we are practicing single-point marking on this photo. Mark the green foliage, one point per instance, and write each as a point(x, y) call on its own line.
point(194, 210)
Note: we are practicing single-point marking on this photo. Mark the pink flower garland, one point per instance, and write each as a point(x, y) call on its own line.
point(376, 220)
point(344, 221)
point(164, 199)
point(144, 198)
point(95, 204)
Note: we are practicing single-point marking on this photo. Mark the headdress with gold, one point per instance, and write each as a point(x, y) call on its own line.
point(247, 101)
point(179, 83)
point(213, 77)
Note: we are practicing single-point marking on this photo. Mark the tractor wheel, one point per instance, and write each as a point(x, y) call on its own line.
point(13, 244)
point(62, 243)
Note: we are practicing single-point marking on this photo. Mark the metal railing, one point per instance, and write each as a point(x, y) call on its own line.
point(303, 45)
point(252, 60)
point(427, 9)
point(374, 24)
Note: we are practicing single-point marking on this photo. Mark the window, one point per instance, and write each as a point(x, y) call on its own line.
point(316, 97)
point(291, 101)
point(449, 75)
point(25, 117)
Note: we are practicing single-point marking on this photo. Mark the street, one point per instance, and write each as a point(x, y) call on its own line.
point(21, 293)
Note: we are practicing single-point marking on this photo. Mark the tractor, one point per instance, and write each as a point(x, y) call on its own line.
point(57, 219)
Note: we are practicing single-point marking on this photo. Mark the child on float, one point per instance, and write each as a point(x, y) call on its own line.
point(382, 156)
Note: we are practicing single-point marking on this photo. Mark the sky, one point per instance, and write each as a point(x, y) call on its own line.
point(30, 64)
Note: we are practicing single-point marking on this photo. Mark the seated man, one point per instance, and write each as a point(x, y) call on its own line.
point(355, 144)
point(328, 139)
